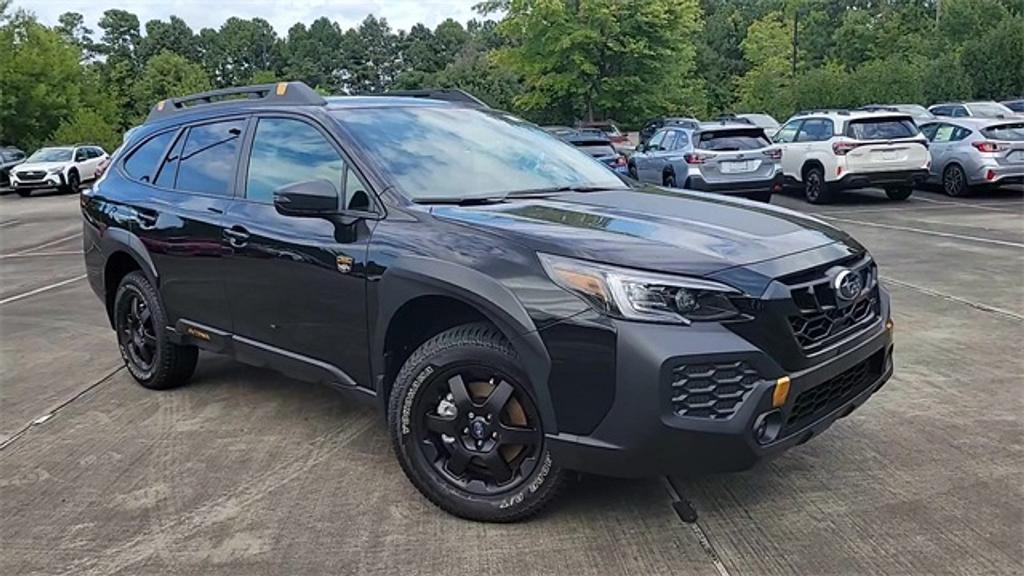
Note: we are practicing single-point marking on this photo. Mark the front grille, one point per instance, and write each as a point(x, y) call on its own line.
point(31, 175)
point(822, 319)
point(819, 401)
point(713, 391)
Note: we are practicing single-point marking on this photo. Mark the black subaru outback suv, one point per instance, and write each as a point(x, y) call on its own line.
point(513, 307)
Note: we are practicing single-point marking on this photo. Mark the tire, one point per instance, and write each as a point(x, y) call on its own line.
point(900, 193)
point(669, 180)
point(631, 168)
point(954, 181)
point(451, 442)
point(74, 183)
point(141, 325)
point(24, 193)
point(816, 190)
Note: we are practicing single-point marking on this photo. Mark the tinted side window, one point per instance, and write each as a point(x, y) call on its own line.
point(286, 151)
point(929, 130)
point(356, 192)
point(143, 162)
point(669, 143)
point(657, 140)
point(208, 160)
point(815, 130)
point(944, 133)
point(941, 111)
point(81, 154)
point(788, 132)
point(959, 112)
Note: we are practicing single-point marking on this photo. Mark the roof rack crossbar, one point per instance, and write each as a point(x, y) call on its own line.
point(278, 93)
point(445, 94)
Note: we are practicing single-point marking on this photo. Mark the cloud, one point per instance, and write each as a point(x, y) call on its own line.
point(400, 14)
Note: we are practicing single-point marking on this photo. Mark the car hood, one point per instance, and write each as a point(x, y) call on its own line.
point(653, 228)
point(34, 166)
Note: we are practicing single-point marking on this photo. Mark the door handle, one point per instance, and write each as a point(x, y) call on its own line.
point(237, 236)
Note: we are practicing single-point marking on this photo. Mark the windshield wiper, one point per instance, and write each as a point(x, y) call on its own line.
point(461, 200)
point(540, 192)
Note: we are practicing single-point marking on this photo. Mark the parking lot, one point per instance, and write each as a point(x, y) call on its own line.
point(246, 472)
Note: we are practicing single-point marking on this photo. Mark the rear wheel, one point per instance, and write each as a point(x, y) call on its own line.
point(467, 431)
point(899, 193)
point(954, 181)
point(815, 188)
point(669, 180)
point(152, 359)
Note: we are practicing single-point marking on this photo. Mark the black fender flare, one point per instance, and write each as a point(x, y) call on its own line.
point(410, 277)
point(120, 240)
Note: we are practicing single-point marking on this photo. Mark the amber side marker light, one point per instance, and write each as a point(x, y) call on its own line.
point(781, 392)
point(889, 325)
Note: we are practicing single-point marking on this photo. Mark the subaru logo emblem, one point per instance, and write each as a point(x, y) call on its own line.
point(847, 285)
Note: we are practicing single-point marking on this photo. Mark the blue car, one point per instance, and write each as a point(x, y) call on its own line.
point(598, 146)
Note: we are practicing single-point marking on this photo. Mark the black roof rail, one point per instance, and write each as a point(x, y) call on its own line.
point(445, 94)
point(840, 111)
point(277, 94)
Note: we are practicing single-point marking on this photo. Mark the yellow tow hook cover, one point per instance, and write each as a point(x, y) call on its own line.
point(781, 392)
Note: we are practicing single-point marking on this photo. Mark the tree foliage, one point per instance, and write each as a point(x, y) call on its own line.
point(554, 61)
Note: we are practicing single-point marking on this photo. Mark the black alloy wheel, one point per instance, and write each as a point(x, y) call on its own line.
point(814, 186)
point(670, 180)
point(74, 183)
point(954, 181)
point(142, 336)
point(468, 432)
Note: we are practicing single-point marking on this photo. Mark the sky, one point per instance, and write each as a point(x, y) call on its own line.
point(400, 14)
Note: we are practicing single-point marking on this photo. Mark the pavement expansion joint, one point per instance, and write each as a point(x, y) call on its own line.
point(688, 514)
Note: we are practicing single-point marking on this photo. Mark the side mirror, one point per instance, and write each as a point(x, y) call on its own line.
point(309, 198)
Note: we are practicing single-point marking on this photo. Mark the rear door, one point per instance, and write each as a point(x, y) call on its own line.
point(941, 136)
point(886, 143)
point(733, 155)
point(179, 214)
point(297, 284)
point(645, 160)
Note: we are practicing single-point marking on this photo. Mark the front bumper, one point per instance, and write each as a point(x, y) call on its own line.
point(48, 181)
point(880, 179)
point(753, 189)
point(642, 435)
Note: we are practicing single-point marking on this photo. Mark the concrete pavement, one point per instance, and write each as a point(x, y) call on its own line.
point(247, 472)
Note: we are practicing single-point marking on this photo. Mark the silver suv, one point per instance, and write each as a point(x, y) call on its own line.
point(969, 152)
point(728, 158)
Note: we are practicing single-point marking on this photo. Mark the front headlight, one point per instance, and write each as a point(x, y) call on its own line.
point(644, 296)
point(54, 170)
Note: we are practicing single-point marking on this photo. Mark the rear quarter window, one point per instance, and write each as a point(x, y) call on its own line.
point(143, 162)
point(1012, 132)
point(728, 140)
point(881, 128)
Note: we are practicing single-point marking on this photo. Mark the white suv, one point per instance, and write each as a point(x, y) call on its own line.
point(830, 150)
point(64, 167)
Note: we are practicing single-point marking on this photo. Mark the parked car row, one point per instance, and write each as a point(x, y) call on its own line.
point(61, 167)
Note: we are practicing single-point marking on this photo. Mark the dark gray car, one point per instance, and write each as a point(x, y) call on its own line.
point(9, 158)
point(728, 158)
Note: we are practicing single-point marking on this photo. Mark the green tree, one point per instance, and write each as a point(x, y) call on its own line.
point(994, 61)
point(40, 79)
point(173, 35)
point(167, 75)
point(767, 86)
point(621, 59)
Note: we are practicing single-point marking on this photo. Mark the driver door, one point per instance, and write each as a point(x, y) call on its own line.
point(296, 285)
point(645, 169)
point(786, 138)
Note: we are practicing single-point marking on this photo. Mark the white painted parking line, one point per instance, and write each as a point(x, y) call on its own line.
point(35, 254)
point(927, 232)
point(950, 297)
point(7, 223)
point(998, 208)
point(46, 288)
point(45, 245)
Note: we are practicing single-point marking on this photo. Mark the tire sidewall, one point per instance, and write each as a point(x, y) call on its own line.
point(411, 383)
point(74, 182)
point(813, 174)
point(132, 284)
point(948, 173)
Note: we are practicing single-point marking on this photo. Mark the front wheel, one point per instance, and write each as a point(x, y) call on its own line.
point(74, 183)
point(467, 431)
point(899, 194)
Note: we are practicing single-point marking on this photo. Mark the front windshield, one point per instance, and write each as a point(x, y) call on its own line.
point(992, 109)
point(51, 155)
point(451, 153)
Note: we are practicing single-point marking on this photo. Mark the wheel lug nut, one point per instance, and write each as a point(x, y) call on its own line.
point(479, 444)
point(488, 417)
point(471, 415)
point(465, 430)
point(494, 435)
